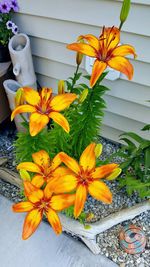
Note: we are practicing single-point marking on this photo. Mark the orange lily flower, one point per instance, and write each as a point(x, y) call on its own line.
point(85, 178)
point(42, 202)
point(44, 107)
point(44, 167)
point(107, 51)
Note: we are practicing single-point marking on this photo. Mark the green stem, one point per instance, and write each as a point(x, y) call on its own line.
point(74, 79)
point(23, 118)
point(120, 26)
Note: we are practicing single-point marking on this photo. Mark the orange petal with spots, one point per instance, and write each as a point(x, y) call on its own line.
point(56, 162)
point(88, 158)
point(41, 158)
point(98, 68)
point(31, 223)
point(22, 207)
point(61, 120)
point(61, 202)
point(28, 188)
point(100, 191)
point(37, 123)
point(54, 221)
point(81, 195)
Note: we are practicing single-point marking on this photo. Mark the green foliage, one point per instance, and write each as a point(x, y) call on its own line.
point(84, 118)
point(69, 213)
point(136, 163)
point(26, 145)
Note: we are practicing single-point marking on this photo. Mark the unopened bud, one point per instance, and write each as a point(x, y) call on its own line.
point(124, 11)
point(61, 87)
point(19, 98)
point(25, 176)
point(79, 55)
point(114, 174)
point(98, 150)
point(83, 95)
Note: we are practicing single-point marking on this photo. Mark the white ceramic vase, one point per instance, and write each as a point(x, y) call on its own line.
point(20, 53)
point(11, 88)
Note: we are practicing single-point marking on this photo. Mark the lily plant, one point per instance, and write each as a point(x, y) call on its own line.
point(62, 176)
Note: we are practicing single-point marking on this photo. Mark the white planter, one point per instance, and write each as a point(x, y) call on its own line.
point(11, 88)
point(20, 53)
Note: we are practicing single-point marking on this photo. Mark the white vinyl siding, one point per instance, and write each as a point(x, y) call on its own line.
point(51, 24)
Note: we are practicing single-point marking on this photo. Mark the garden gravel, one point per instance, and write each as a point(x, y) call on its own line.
point(108, 240)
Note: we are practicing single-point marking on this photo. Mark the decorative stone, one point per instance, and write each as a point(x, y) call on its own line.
point(132, 239)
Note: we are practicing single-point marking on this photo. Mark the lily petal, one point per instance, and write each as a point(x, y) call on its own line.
point(61, 120)
point(92, 40)
point(123, 65)
point(104, 170)
point(56, 162)
point(124, 50)
point(62, 202)
point(54, 221)
point(28, 188)
point(37, 123)
point(31, 223)
point(83, 48)
point(70, 162)
point(62, 184)
point(36, 196)
point(88, 158)
point(100, 191)
point(98, 68)
point(110, 38)
point(29, 166)
point(22, 207)
point(31, 96)
point(62, 171)
point(46, 94)
point(38, 180)
point(41, 158)
point(81, 195)
point(22, 109)
point(60, 102)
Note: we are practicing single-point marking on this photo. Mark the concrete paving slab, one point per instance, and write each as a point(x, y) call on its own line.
point(44, 248)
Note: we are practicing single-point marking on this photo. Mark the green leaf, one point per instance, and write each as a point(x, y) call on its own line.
point(146, 128)
point(147, 159)
point(134, 136)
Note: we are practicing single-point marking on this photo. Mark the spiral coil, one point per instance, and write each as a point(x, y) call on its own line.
point(132, 239)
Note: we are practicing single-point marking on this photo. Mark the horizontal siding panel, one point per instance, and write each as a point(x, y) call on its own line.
point(124, 124)
point(128, 109)
point(140, 2)
point(120, 89)
point(52, 32)
point(84, 11)
point(110, 133)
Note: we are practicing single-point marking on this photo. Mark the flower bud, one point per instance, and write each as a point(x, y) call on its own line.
point(114, 174)
point(25, 176)
point(19, 98)
point(61, 87)
point(124, 11)
point(98, 150)
point(79, 56)
point(83, 95)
